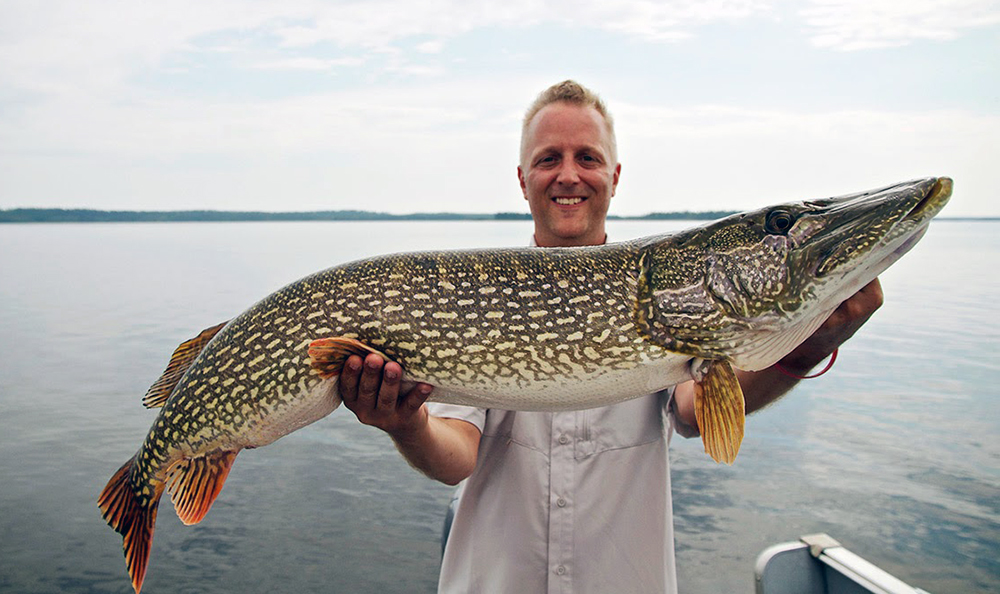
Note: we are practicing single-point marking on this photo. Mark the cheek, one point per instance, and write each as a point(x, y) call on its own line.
point(536, 182)
point(600, 181)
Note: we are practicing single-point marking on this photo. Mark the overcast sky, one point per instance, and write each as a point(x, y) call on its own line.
point(415, 106)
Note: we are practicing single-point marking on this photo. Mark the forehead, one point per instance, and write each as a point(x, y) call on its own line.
point(564, 125)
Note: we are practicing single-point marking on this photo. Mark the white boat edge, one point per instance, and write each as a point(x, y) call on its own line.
point(818, 564)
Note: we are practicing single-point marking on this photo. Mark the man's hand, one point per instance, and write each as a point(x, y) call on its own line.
point(372, 389)
point(761, 388)
point(840, 326)
point(444, 449)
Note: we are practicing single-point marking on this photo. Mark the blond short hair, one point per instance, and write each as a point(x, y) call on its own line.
point(572, 92)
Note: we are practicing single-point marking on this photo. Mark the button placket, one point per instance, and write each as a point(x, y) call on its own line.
point(561, 483)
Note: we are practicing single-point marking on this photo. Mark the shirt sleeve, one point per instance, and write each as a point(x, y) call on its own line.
point(470, 414)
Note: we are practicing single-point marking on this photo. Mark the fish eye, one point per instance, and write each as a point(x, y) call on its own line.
point(778, 222)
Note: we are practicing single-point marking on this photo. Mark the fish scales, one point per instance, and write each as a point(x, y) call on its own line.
point(522, 329)
point(520, 320)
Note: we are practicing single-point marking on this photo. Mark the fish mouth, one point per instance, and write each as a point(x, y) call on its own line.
point(877, 226)
point(933, 202)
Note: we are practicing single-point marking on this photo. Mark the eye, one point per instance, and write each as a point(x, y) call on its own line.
point(778, 222)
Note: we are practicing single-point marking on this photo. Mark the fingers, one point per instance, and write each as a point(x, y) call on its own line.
point(868, 299)
point(388, 390)
point(856, 310)
point(374, 390)
point(350, 376)
point(370, 382)
point(838, 328)
point(415, 397)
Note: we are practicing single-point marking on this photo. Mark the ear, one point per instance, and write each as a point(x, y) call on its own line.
point(614, 181)
point(524, 185)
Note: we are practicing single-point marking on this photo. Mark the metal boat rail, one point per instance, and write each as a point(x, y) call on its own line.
point(818, 564)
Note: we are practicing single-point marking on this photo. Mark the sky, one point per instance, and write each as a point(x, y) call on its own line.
point(415, 106)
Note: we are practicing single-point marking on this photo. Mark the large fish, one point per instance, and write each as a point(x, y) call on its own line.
point(520, 329)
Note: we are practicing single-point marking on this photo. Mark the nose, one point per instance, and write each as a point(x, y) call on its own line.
point(568, 173)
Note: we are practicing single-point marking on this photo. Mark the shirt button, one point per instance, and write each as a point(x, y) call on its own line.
point(561, 570)
point(564, 439)
point(561, 502)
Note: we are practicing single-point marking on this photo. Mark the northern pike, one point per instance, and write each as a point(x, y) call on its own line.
point(542, 329)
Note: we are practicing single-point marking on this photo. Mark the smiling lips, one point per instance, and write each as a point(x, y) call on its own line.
point(568, 200)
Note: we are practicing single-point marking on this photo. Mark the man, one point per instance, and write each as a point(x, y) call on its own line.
point(576, 501)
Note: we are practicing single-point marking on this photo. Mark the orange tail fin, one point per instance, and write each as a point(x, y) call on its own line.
point(133, 517)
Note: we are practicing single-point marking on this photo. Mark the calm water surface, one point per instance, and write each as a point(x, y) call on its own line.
point(896, 452)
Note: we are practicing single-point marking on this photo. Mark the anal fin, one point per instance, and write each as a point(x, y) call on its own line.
point(327, 355)
point(194, 483)
point(721, 411)
point(180, 361)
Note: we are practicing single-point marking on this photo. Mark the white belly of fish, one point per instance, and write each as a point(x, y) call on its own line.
point(288, 415)
point(587, 390)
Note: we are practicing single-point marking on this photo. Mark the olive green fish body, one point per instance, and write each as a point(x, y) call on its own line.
point(514, 329)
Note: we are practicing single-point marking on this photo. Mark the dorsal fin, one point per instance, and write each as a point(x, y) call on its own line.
point(194, 483)
point(327, 355)
point(180, 361)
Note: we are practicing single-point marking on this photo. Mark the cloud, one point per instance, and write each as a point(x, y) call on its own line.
point(202, 101)
point(74, 42)
point(431, 47)
point(308, 63)
point(867, 24)
point(729, 155)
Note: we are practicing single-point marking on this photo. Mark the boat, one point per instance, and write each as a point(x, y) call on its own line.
point(818, 564)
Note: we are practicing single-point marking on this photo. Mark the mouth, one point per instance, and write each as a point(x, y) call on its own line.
point(568, 200)
point(886, 229)
point(933, 202)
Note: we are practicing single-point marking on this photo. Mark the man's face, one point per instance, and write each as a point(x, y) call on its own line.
point(568, 175)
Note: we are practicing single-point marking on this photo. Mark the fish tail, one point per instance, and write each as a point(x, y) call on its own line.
point(132, 516)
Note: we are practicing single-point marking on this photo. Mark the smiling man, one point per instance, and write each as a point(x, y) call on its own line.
point(573, 501)
point(569, 168)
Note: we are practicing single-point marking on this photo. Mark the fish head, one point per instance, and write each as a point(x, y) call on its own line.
point(751, 287)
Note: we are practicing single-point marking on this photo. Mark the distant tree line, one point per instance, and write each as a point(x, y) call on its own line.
point(85, 215)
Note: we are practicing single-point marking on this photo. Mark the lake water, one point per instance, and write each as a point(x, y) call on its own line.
point(895, 452)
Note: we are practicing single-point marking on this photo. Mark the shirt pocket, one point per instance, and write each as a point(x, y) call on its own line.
point(628, 424)
point(532, 430)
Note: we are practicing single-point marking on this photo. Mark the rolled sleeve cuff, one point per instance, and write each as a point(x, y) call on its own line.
point(469, 414)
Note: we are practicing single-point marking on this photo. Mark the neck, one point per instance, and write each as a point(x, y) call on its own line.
point(569, 242)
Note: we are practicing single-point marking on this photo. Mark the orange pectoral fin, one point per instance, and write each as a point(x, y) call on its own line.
point(327, 355)
point(194, 483)
point(721, 411)
point(179, 363)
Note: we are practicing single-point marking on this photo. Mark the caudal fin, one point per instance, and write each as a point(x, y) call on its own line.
point(133, 517)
